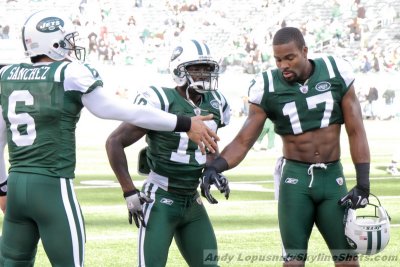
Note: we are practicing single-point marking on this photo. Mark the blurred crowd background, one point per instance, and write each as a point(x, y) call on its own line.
point(131, 40)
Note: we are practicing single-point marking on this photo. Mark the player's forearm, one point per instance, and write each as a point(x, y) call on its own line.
point(360, 154)
point(359, 148)
point(104, 106)
point(234, 154)
point(119, 164)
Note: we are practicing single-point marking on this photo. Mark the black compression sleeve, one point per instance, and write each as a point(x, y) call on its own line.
point(362, 175)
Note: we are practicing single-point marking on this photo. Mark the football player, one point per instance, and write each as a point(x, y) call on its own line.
point(392, 168)
point(168, 205)
point(41, 104)
point(308, 100)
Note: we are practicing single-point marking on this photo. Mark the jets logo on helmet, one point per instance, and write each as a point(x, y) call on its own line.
point(51, 24)
point(176, 53)
point(370, 234)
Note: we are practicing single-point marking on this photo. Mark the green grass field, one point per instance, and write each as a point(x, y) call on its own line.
point(246, 225)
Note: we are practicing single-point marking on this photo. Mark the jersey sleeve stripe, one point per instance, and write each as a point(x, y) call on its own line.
point(329, 67)
point(164, 104)
point(57, 74)
point(223, 100)
point(271, 87)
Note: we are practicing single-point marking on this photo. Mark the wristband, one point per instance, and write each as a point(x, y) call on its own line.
point(220, 164)
point(3, 189)
point(362, 175)
point(130, 193)
point(183, 124)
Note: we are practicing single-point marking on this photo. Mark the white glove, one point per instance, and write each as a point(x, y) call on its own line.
point(134, 202)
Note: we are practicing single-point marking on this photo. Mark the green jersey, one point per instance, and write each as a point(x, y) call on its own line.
point(175, 161)
point(41, 106)
point(295, 108)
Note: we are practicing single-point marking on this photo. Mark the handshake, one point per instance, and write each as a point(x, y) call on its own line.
point(211, 177)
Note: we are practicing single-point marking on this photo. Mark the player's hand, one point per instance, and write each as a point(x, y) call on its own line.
point(3, 202)
point(203, 136)
point(3, 196)
point(210, 177)
point(222, 185)
point(134, 201)
point(357, 197)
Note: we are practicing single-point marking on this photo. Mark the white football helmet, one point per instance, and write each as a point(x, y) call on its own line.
point(368, 235)
point(52, 34)
point(192, 52)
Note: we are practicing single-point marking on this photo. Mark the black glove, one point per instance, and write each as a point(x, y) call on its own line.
point(358, 195)
point(210, 177)
point(134, 201)
point(356, 198)
point(222, 185)
point(3, 188)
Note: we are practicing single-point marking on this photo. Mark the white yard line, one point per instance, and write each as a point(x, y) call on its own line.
point(132, 233)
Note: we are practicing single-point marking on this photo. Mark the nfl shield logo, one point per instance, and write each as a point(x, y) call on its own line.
point(339, 181)
point(304, 89)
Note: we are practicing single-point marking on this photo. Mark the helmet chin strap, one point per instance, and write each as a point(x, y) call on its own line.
point(193, 84)
point(197, 110)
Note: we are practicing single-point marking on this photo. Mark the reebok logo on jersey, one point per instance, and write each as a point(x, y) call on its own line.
point(167, 201)
point(291, 180)
point(339, 181)
point(323, 86)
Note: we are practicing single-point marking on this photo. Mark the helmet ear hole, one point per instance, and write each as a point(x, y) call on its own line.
point(63, 44)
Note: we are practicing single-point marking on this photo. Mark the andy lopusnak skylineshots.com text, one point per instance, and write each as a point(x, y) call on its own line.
point(211, 258)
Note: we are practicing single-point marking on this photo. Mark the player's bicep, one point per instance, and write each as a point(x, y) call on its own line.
point(351, 110)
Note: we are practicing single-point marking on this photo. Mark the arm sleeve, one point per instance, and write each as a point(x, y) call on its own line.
point(107, 106)
point(3, 141)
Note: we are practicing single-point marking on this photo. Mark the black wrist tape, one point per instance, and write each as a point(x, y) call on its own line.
point(130, 193)
point(362, 175)
point(183, 124)
point(220, 164)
